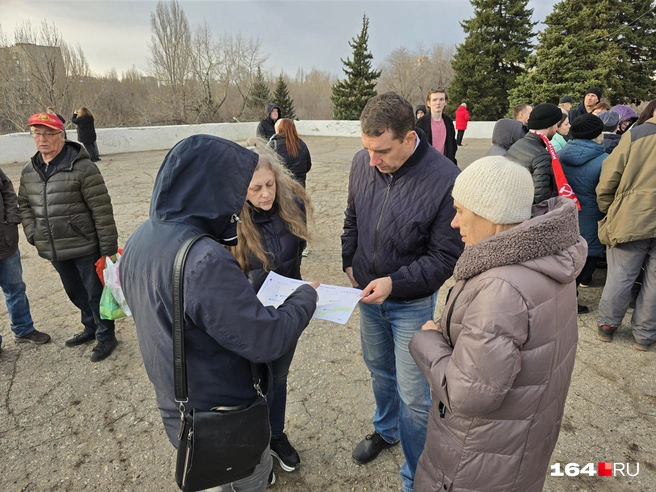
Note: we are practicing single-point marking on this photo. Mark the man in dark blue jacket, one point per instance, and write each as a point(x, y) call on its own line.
point(398, 247)
point(200, 189)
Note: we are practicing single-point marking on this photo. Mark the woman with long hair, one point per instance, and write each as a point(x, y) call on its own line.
point(270, 237)
point(86, 131)
point(291, 149)
point(559, 139)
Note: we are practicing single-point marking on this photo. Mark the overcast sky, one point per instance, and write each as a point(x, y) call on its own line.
point(296, 34)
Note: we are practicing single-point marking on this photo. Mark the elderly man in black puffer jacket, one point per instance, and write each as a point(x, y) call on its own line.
point(67, 214)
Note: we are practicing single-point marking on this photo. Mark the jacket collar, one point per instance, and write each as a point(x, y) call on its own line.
point(70, 153)
point(416, 156)
point(260, 216)
point(552, 228)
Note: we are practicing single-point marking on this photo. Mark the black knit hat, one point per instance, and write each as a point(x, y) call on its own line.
point(544, 116)
point(594, 90)
point(587, 127)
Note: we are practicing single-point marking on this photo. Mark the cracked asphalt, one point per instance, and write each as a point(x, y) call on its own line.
point(67, 424)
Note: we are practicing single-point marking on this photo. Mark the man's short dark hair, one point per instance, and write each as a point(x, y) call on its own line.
point(518, 109)
point(387, 111)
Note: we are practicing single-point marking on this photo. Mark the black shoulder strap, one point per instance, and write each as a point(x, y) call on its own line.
point(179, 359)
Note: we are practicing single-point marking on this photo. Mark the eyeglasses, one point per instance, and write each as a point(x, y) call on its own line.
point(46, 135)
point(439, 89)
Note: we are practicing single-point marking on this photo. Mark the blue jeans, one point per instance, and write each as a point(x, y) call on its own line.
point(280, 370)
point(13, 287)
point(401, 392)
point(84, 289)
point(257, 482)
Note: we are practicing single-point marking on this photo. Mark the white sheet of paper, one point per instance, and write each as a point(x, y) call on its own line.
point(335, 303)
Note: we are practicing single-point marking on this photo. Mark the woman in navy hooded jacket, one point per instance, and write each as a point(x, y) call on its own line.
point(270, 237)
point(200, 189)
point(581, 159)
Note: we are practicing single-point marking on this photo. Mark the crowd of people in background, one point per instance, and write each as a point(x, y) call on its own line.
point(506, 228)
point(586, 138)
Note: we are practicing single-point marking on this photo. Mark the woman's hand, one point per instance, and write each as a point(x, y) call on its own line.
point(315, 285)
point(431, 325)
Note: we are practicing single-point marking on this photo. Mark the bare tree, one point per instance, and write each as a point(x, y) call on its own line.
point(39, 70)
point(411, 73)
point(311, 92)
point(210, 74)
point(170, 56)
point(244, 56)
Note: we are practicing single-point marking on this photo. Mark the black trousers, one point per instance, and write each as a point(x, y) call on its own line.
point(92, 149)
point(585, 277)
point(84, 289)
point(461, 133)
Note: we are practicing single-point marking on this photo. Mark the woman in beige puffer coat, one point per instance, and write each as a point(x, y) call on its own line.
point(500, 369)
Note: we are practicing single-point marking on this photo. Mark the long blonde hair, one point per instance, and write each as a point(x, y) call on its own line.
point(249, 239)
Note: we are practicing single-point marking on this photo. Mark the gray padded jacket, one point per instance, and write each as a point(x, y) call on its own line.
point(70, 214)
point(500, 371)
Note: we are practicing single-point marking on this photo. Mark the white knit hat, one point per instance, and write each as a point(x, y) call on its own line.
point(497, 189)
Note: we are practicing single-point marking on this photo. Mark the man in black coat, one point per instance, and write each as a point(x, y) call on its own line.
point(437, 126)
point(266, 128)
point(592, 97)
point(11, 271)
point(398, 246)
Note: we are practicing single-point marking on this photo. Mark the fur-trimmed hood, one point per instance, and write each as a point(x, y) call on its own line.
point(549, 242)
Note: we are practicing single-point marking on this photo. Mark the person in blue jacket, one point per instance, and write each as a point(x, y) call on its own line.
point(271, 237)
point(399, 248)
point(200, 189)
point(582, 158)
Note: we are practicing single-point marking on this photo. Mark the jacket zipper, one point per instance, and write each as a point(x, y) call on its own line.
point(441, 407)
point(45, 207)
point(380, 218)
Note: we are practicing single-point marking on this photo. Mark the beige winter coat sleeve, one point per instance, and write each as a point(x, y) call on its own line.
point(473, 378)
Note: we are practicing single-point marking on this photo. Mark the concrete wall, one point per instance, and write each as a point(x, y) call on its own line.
point(18, 147)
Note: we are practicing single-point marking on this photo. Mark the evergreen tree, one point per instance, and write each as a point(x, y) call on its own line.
point(349, 96)
point(260, 94)
point(283, 101)
point(492, 56)
point(633, 80)
point(605, 43)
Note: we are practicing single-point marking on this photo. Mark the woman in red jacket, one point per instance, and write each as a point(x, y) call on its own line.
point(462, 118)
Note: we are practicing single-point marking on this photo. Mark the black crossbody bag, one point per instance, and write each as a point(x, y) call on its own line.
point(224, 444)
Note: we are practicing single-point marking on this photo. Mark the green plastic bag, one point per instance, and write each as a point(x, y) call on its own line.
point(109, 308)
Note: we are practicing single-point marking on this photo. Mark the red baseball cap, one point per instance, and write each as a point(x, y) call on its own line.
point(45, 119)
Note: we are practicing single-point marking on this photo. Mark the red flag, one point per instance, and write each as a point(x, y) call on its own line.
point(564, 189)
